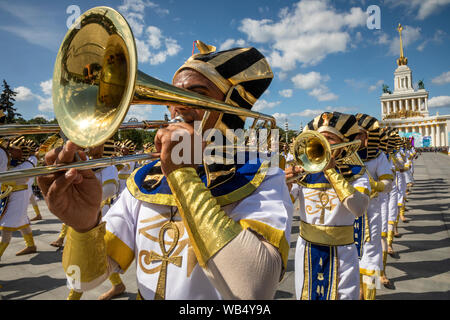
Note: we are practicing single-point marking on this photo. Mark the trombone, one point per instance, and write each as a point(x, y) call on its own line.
point(14, 129)
point(313, 152)
point(96, 79)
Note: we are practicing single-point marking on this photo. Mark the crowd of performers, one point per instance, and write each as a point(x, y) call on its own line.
point(222, 231)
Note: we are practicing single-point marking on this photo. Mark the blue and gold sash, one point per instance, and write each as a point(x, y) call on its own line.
point(150, 185)
point(319, 180)
point(361, 233)
point(320, 272)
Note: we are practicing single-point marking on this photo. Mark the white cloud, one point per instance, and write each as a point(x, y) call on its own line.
point(36, 26)
point(46, 86)
point(440, 101)
point(280, 117)
point(262, 104)
point(313, 81)
point(287, 93)
point(45, 97)
point(437, 38)
point(308, 80)
point(140, 112)
point(232, 43)
point(376, 86)
point(421, 8)
point(307, 113)
point(152, 45)
point(305, 33)
point(23, 94)
point(410, 35)
point(442, 79)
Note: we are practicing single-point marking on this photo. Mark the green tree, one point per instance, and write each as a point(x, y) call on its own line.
point(7, 102)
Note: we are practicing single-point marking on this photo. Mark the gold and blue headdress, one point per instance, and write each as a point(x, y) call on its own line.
point(242, 74)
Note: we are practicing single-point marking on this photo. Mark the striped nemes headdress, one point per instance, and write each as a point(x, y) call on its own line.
point(109, 149)
point(242, 74)
point(130, 145)
point(396, 140)
point(372, 128)
point(345, 126)
point(20, 143)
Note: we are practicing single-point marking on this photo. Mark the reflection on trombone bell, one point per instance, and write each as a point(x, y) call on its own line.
point(313, 153)
point(95, 81)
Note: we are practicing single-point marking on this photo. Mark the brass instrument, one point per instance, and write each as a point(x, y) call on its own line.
point(313, 152)
point(22, 129)
point(95, 81)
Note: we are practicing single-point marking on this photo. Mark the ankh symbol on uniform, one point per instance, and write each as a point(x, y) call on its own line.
point(160, 293)
point(324, 201)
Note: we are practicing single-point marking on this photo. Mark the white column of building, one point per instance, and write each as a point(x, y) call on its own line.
point(438, 135)
point(433, 135)
point(441, 132)
point(407, 104)
point(414, 104)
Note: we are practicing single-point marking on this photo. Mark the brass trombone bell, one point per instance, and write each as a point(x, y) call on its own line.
point(313, 152)
point(96, 79)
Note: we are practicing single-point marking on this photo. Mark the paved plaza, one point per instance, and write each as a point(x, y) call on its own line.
point(419, 270)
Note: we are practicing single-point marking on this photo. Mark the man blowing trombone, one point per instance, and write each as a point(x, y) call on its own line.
point(209, 231)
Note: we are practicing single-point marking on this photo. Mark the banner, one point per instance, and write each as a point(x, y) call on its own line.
point(417, 138)
point(426, 141)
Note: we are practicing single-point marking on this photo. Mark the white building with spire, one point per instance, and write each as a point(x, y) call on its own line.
point(407, 108)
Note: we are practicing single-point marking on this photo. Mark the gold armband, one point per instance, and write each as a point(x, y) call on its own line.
point(379, 186)
point(85, 253)
point(208, 226)
point(340, 185)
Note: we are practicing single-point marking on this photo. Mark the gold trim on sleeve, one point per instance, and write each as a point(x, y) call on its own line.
point(87, 252)
point(117, 250)
point(342, 187)
point(208, 226)
point(386, 177)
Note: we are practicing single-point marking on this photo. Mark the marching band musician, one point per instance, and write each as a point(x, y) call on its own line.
point(403, 163)
point(207, 231)
point(14, 207)
point(371, 262)
point(33, 150)
point(389, 208)
point(326, 259)
point(127, 147)
point(399, 166)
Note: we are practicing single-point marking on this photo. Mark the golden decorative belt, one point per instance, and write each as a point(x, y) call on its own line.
point(327, 235)
point(15, 187)
point(124, 176)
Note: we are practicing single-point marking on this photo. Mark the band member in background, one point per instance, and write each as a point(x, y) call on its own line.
point(127, 147)
point(326, 259)
point(381, 178)
point(33, 147)
point(389, 208)
point(199, 231)
point(14, 207)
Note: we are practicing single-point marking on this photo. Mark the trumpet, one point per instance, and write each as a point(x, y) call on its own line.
point(313, 152)
point(96, 79)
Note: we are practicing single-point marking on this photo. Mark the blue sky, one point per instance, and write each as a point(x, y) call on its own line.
point(323, 55)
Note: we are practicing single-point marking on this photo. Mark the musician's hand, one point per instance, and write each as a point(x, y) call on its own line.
point(292, 172)
point(73, 196)
point(331, 164)
point(167, 138)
